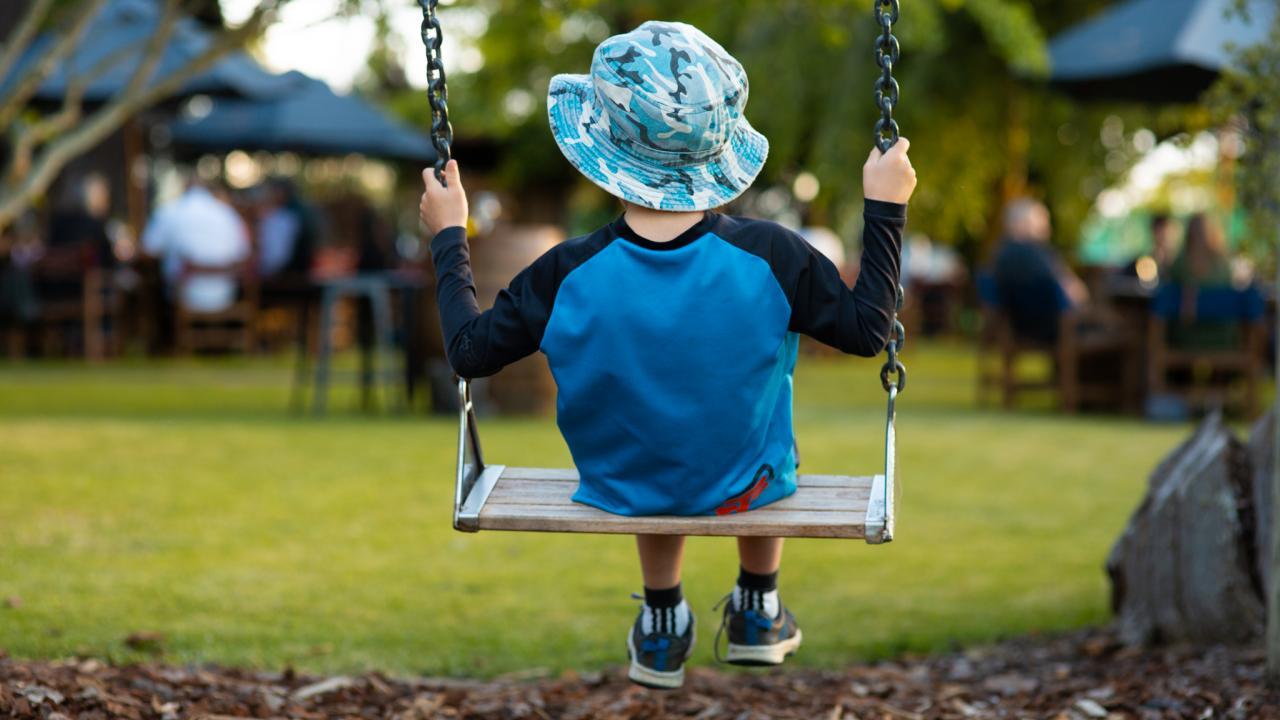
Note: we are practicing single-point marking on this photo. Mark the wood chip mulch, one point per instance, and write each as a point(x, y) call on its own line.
point(1077, 677)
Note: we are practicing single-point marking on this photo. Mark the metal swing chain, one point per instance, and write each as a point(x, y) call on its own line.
point(887, 52)
point(886, 135)
point(437, 91)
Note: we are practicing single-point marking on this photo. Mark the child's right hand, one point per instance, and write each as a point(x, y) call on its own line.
point(443, 207)
point(889, 177)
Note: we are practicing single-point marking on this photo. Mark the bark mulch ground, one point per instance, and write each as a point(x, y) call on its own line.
point(1081, 676)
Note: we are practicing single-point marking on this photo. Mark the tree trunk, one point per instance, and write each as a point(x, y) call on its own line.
point(1273, 563)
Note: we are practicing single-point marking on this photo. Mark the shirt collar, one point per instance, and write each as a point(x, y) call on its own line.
point(700, 228)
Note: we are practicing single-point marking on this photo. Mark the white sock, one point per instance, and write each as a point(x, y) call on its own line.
point(766, 601)
point(674, 620)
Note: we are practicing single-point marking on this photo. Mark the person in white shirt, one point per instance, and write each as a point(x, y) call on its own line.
point(199, 230)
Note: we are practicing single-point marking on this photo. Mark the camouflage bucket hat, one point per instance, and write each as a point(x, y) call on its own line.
point(659, 121)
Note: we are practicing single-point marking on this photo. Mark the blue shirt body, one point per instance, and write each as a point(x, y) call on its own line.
point(647, 346)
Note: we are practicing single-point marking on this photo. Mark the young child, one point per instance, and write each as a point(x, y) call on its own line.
point(672, 331)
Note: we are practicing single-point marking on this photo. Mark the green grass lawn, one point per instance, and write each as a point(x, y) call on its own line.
point(181, 498)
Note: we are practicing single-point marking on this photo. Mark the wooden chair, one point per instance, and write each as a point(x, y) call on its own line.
point(231, 328)
point(1086, 337)
point(1245, 360)
point(92, 310)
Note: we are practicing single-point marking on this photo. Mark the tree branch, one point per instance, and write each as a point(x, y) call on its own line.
point(30, 82)
point(156, 45)
point(21, 38)
point(25, 139)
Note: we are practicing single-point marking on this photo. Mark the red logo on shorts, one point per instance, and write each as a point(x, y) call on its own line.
point(742, 502)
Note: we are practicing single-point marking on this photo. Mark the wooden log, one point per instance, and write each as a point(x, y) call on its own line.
point(1185, 568)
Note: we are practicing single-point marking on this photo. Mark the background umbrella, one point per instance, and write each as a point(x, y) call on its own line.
point(308, 118)
point(117, 38)
point(1159, 51)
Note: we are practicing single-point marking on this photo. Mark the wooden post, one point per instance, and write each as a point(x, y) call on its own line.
point(135, 192)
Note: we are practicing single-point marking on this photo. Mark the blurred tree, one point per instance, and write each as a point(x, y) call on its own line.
point(41, 144)
point(1247, 100)
point(1248, 97)
point(982, 126)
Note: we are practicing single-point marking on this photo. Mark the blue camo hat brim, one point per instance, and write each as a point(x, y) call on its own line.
point(659, 121)
point(580, 131)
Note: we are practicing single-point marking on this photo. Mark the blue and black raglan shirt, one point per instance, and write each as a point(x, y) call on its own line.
point(674, 360)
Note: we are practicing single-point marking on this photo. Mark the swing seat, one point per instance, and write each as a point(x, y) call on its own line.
point(496, 497)
point(536, 499)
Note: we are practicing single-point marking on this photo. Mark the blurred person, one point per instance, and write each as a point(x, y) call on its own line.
point(76, 244)
point(1033, 283)
point(1203, 265)
point(1155, 264)
point(198, 229)
point(1164, 241)
point(286, 231)
point(78, 227)
point(19, 249)
point(374, 240)
point(1203, 260)
point(77, 241)
point(923, 260)
point(933, 275)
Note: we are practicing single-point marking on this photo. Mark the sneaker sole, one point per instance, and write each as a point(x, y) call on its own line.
point(757, 655)
point(655, 679)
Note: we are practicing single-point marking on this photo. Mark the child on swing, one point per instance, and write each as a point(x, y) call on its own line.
point(672, 331)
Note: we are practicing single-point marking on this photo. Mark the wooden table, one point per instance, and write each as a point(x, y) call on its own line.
point(376, 360)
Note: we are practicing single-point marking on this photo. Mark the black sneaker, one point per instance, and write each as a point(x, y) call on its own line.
point(756, 639)
point(657, 659)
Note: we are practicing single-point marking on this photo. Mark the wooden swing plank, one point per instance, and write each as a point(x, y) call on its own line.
point(539, 500)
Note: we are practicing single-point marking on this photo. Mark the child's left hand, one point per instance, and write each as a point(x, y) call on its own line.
point(443, 207)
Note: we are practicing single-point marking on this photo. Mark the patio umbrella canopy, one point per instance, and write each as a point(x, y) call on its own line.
point(114, 45)
point(307, 118)
point(1161, 51)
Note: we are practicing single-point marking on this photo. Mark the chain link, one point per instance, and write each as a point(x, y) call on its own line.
point(886, 135)
point(437, 91)
point(887, 52)
point(897, 338)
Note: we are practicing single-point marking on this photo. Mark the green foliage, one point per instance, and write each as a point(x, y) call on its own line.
point(1012, 30)
point(182, 498)
point(1248, 97)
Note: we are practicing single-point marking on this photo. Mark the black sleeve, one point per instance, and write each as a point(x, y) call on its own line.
point(482, 343)
point(853, 321)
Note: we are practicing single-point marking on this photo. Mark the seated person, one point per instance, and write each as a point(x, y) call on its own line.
point(201, 231)
point(19, 249)
point(1032, 282)
point(1203, 267)
point(672, 331)
point(1155, 265)
point(78, 240)
point(286, 232)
